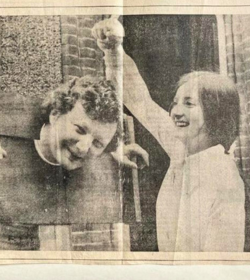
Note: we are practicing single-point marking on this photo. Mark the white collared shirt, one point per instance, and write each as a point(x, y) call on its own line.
point(200, 207)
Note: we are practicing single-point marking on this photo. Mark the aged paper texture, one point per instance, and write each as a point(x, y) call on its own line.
point(124, 132)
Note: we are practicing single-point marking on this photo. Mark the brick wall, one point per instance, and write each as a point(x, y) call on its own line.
point(238, 63)
point(80, 53)
point(237, 33)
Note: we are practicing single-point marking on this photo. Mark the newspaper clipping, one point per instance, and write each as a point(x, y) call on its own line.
point(125, 132)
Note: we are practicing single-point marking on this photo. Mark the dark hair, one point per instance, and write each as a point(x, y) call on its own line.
point(221, 105)
point(98, 98)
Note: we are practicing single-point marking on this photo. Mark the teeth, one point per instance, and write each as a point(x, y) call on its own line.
point(181, 124)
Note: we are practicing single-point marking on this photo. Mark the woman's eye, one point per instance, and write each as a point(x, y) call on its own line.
point(190, 104)
point(80, 129)
point(174, 103)
point(97, 144)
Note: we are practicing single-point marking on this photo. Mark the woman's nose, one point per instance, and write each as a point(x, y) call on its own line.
point(177, 110)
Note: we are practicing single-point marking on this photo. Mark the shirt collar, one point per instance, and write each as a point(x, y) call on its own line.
point(38, 149)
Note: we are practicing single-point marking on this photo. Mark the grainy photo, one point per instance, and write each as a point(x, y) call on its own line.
point(125, 133)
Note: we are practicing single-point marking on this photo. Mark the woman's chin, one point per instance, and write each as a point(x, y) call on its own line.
point(180, 136)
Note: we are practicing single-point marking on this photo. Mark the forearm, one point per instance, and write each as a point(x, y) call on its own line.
point(122, 70)
point(133, 92)
point(114, 68)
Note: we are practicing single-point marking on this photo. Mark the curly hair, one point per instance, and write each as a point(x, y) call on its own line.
point(97, 96)
point(220, 103)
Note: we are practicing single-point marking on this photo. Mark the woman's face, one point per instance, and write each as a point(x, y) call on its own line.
point(187, 113)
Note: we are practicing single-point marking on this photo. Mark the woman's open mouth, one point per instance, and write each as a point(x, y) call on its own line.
point(181, 123)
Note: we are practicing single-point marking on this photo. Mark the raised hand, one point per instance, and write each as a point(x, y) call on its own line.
point(109, 34)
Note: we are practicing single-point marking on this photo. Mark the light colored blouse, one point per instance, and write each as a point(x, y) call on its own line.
point(200, 207)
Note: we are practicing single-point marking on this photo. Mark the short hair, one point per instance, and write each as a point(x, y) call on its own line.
point(220, 103)
point(97, 95)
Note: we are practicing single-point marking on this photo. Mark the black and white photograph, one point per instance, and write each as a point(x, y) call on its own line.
point(125, 133)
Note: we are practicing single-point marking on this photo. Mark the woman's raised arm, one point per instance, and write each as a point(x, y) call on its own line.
point(122, 70)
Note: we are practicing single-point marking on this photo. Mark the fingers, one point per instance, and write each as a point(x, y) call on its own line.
point(128, 163)
point(101, 33)
point(135, 149)
point(117, 156)
point(115, 28)
point(99, 30)
point(108, 28)
point(123, 160)
point(124, 155)
point(109, 34)
point(3, 153)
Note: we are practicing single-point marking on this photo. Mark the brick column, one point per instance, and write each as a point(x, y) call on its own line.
point(238, 62)
point(238, 56)
point(80, 53)
point(94, 194)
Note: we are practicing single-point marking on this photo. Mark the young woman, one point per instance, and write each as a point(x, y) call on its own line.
point(204, 211)
point(200, 206)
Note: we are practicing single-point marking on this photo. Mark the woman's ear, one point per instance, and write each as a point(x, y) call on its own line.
point(54, 114)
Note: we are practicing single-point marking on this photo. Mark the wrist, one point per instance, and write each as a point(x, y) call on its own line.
point(118, 50)
point(114, 57)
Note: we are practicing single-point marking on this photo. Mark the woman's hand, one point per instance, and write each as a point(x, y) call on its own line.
point(126, 155)
point(109, 34)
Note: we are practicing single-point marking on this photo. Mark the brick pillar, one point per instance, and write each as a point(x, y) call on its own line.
point(238, 56)
point(94, 193)
point(80, 53)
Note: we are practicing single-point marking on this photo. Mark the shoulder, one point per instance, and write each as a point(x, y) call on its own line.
point(220, 171)
point(214, 160)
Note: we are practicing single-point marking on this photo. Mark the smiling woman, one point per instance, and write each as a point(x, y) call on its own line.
point(200, 206)
point(219, 99)
point(208, 193)
point(187, 115)
point(207, 105)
